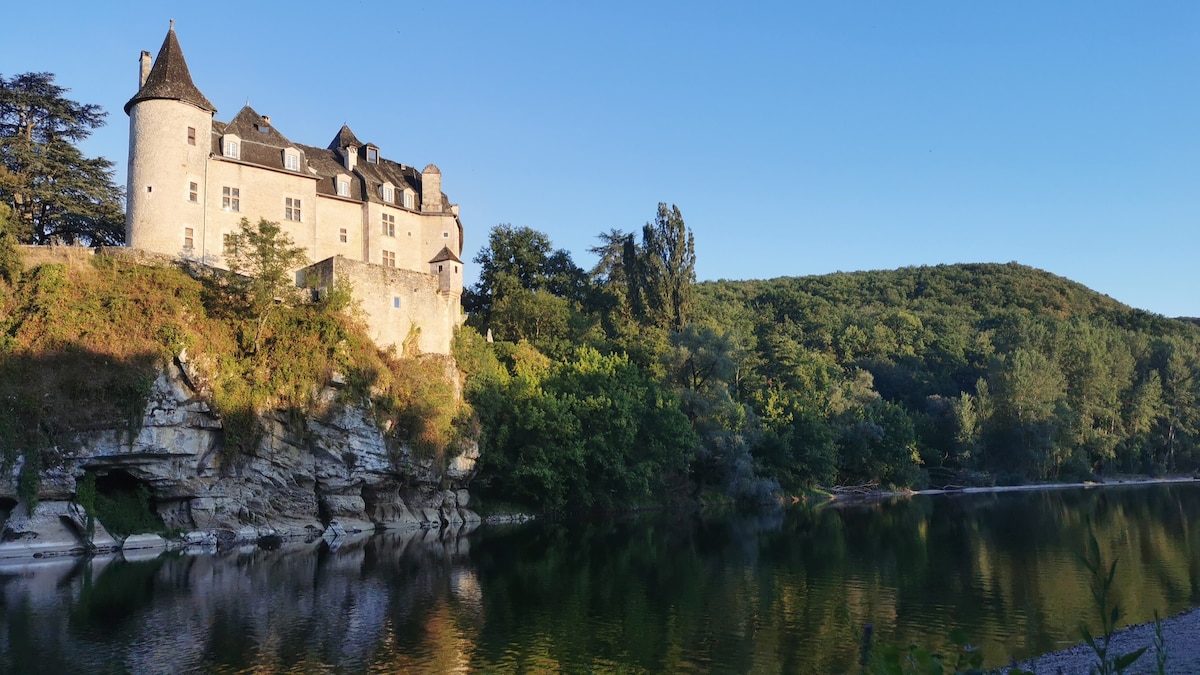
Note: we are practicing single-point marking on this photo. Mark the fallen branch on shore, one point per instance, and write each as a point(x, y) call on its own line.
point(855, 490)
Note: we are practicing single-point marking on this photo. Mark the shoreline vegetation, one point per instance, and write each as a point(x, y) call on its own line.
point(888, 380)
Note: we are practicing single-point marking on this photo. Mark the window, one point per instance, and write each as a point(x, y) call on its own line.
point(389, 259)
point(445, 235)
point(291, 161)
point(231, 199)
point(191, 135)
point(193, 192)
point(387, 194)
point(408, 199)
point(343, 188)
point(228, 244)
point(342, 235)
point(291, 209)
point(389, 225)
point(230, 148)
point(188, 238)
point(372, 155)
point(395, 302)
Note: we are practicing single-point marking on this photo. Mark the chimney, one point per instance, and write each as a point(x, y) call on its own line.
point(431, 189)
point(350, 157)
point(145, 69)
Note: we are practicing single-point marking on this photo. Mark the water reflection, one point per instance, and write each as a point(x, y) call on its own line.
point(783, 592)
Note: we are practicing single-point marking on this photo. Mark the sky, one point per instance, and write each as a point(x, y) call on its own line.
point(796, 138)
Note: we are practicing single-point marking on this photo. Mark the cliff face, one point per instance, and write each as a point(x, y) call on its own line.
point(331, 473)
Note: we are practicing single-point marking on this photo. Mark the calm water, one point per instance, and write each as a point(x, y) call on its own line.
point(787, 592)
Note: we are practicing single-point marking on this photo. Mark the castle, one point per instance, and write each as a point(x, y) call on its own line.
point(383, 226)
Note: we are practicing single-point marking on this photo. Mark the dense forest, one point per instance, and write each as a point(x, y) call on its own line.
point(630, 383)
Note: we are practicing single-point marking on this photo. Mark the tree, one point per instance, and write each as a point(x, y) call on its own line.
point(1030, 396)
point(264, 259)
point(661, 271)
point(522, 258)
point(594, 431)
point(57, 195)
point(11, 264)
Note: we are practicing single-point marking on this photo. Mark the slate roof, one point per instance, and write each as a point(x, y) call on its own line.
point(169, 79)
point(444, 255)
point(387, 171)
point(344, 138)
point(261, 143)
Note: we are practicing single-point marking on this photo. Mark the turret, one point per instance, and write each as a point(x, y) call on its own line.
point(170, 127)
point(448, 269)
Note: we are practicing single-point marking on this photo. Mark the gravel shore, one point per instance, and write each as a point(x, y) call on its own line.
point(1182, 638)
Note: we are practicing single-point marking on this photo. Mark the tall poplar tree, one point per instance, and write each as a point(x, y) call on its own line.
point(668, 268)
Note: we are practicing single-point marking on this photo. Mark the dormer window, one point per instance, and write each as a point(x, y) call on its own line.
point(229, 146)
point(343, 187)
point(291, 160)
point(372, 155)
point(387, 193)
point(408, 199)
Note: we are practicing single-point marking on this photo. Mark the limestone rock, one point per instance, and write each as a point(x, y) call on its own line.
point(305, 474)
point(52, 529)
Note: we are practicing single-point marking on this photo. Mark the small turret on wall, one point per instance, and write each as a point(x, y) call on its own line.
point(448, 269)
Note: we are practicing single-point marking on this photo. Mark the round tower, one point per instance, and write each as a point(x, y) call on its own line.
point(170, 136)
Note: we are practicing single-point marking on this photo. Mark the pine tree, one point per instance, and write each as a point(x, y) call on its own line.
point(56, 194)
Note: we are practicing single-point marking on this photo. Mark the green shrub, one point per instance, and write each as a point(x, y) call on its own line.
point(125, 512)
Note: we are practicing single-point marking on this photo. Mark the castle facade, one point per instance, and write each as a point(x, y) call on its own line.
point(385, 227)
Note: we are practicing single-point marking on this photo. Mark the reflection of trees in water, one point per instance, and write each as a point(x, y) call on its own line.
point(785, 591)
point(792, 596)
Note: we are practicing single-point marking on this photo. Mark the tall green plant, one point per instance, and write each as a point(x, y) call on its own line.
point(1101, 587)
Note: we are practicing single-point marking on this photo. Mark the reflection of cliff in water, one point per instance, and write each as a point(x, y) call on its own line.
point(301, 605)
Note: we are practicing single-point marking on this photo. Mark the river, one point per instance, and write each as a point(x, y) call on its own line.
point(788, 591)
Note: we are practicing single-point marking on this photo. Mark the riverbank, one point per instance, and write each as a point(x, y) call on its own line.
point(857, 497)
point(1180, 635)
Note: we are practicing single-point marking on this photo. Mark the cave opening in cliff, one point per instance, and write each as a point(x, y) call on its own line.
point(7, 505)
point(125, 505)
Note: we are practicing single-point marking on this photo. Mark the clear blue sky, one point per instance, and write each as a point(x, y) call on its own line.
point(796, 137)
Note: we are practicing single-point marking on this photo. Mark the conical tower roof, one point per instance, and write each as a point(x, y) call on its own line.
point(345, 138)
point(169, 78)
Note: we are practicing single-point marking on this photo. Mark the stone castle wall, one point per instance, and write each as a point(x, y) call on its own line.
point(395, 302)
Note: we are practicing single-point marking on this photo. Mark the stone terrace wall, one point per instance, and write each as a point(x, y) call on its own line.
point(395, 301)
